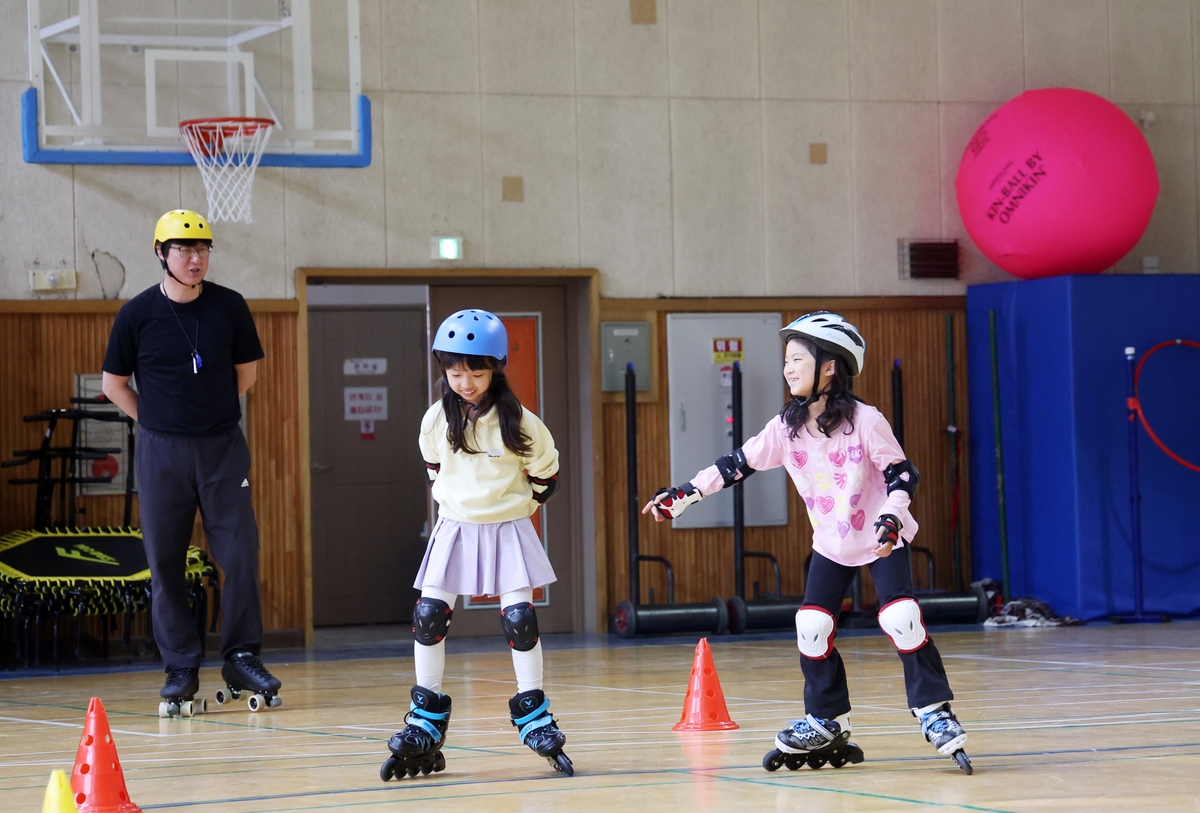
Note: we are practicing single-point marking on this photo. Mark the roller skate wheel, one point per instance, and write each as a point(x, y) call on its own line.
point(276, 701)
point(388, 769)
point(256, 702)
point(793, 762)
point(439, 762)
point(773, 761)
point(964, 762)
point(185, 708)
point(562, 764)
point(163, 709)
point(200, 706)
point(817, 761)
point(222, 697)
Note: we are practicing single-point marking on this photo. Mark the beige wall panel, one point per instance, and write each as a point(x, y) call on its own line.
point(958, 122)
point(980, 50)
point(805, 49)
point(614, 57)
point(1150, 43)
point(896, 191)
point(116, 208)
point(533, 138)
point(625, 194)
point(433, 178)
point(39, 356)
point(716, 158)
point(372, 44)
point(335, 217)
point(14, 43)
point(1171, 235)
point(714, 48)
point(248, 257)
point(433, 45)
point(893, 50)
point(36, 210)
point(809, 223)
point(526, 46)
point(1066, 44)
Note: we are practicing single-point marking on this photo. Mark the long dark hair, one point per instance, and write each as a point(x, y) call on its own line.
point(840, 400)
point(498, 395)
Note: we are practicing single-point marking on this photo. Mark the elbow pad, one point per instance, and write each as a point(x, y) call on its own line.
point(734, 468)
point(431, 470)
point(543, 489)
point(676, 499)
point(902, 476)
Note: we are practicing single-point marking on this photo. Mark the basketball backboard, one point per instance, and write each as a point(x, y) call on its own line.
point(112, 79)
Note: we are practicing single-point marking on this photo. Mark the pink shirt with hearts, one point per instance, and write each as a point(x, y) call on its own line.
point(840, 479)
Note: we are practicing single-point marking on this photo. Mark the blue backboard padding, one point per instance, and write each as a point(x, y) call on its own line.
point(1063, 385)
point(35, 154)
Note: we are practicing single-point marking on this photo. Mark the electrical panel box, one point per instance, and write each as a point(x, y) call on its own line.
point(701, 349)
point(620, 344)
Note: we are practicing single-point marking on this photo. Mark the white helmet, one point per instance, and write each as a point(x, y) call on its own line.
point(831, 333)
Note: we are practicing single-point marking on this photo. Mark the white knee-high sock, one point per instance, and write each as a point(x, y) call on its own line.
point(430, 661)
point(527, 665)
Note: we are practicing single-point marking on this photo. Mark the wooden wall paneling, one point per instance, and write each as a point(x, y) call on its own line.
point(703, 558)
point(44, 344)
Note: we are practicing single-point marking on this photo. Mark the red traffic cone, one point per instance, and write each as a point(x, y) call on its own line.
point(97, 780)
point(704, 707)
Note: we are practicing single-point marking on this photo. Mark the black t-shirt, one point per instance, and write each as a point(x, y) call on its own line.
point(152, 339)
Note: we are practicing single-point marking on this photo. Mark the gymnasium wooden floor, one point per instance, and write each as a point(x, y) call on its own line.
point(1096, 718)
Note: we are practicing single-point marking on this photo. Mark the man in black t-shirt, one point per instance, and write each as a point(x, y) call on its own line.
point(192, 349)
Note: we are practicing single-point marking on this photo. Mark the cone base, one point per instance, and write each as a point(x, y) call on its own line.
point(728, 725)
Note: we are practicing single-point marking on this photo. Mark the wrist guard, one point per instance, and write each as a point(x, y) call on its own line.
point(431, 470)
point(891, 528)
point(675, 500)
point(543, 489)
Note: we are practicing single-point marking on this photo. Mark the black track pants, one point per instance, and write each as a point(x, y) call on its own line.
point(177, 474)
point(825, 692)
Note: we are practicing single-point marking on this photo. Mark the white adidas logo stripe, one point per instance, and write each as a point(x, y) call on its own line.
point(246, 482)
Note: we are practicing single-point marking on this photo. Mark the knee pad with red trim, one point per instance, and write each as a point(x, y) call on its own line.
point(901, 620)
point(815, 628)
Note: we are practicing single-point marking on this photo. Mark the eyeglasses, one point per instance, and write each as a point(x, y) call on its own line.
point(188, 252)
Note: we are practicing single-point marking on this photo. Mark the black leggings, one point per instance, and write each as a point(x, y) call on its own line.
point(825, 692)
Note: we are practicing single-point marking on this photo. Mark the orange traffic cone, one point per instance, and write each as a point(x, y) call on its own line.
point(97, 780)
point(58, 794)
point(704, 707)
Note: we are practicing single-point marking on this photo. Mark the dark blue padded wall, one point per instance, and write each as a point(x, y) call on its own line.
point(1063, 387)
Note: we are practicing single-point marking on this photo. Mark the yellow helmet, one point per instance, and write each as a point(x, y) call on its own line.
point(181, 224)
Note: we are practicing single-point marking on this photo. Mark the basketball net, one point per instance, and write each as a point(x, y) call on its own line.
point(227, 151)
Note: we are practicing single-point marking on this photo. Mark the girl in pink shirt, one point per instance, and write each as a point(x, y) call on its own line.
point(857, 484)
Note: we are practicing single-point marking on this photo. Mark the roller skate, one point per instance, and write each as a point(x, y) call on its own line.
point(179, 694)
point(244, 672)
point(942, 730)
point(814, 742)
point(530, 713)
point(418, 748)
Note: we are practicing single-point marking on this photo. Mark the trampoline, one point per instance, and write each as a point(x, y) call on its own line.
point(75, 572)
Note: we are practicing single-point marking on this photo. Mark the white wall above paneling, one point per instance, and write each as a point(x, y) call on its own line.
point(673, 155)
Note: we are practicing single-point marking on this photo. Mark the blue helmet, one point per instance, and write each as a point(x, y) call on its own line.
point(473, 332)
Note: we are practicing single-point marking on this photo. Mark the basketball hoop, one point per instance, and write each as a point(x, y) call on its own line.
point(227, 151)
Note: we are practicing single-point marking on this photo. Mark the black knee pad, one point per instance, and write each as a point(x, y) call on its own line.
point(431, 620)
point(519, 622)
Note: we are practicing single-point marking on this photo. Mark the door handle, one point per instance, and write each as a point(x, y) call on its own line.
point(320, 468)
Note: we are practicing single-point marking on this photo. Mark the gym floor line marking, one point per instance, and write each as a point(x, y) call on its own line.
point(80, 725)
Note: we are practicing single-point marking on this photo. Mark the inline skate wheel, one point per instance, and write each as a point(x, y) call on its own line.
point(964, 762)
point(439, 762)
point(276, 701)
point(164, 710)
point(817, 761)
point(256, 702)
point(773, 761)
point(562, 764)
point(222, 697)
point(388, 769)
point(793, 762)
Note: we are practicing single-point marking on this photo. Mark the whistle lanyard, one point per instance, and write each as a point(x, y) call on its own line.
point(197, 362)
